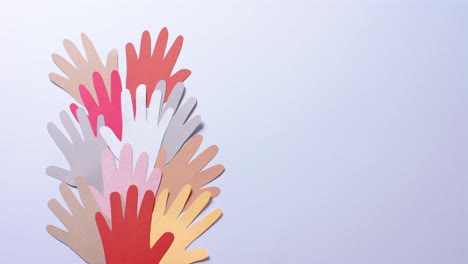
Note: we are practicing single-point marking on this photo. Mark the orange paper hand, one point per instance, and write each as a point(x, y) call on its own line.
point(149, 69)
point(180, 171)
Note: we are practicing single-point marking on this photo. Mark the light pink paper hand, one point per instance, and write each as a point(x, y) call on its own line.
point(107, 105)
point(121, 178)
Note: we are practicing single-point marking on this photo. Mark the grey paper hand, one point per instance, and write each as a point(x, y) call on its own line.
point(181, 127)
point(83, 153)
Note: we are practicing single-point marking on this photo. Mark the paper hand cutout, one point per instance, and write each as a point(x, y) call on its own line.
point(82, 153)
point(181, 126)
point(181, 171)
point(121, 178)
point(107, 105)
point(144, 130)
point(149, 69)
point(82, 235)
point(166, 219)
point(129, 239)
point(82, 73)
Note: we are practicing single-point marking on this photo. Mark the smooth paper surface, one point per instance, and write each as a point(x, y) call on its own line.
point(119, 177)
point(149, 68)
point(83, 153)
point(144, 131)
point(83, 68)
point(82, 234)
point(128, 241)
point(169, 219)
point(185, 169)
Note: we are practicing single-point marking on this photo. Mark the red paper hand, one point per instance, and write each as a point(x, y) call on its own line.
point(109, 106)
point(129, 239)
point(149, 69)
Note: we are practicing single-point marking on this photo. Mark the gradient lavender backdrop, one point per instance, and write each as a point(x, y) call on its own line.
point(343, 125)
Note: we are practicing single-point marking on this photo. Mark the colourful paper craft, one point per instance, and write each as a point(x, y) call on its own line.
point(149, 121)
point(121, 178)
point(169, 219)
point(184, 170)
point(107, 105)
point(82, 72)
point(128, 242)
point(83, 153)
point(144, 131)
point(181, 126)
point(82, 234)
point(149, 69)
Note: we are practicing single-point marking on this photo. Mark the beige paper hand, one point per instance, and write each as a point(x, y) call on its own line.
point(166, 219)
point(82, 71)
point(180, 171)
point(83, 235)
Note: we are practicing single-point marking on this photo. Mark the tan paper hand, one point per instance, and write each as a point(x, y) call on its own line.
point(82, 71)
point(83, 235)
point(180, 171)
point(166, 219)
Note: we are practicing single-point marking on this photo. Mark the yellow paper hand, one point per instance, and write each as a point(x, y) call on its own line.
point(168, 220)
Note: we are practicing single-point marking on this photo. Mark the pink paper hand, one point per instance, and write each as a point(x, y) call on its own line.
point(108, 106)
point(119, 181)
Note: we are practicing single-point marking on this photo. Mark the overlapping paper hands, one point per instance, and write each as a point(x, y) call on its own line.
point(136, 150)
point(81, 72)
point(127, 240)
point(118, 179)
point(144, 129)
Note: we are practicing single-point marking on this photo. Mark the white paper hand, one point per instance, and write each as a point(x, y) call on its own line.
point(144, 130)
point(181, 127)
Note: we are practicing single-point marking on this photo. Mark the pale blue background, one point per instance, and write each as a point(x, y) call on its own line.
point(343, 125)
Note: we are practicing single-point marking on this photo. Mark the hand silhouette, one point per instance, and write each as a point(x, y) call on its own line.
point(119, 179)
point(170, 219)
point(181, 126)
point(83, 153)
point(82, 234)
point(82, 72)
point(144, 131)
point(128, 242)
point(149, 69)
point(107, 105)
point(184, 169)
